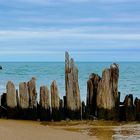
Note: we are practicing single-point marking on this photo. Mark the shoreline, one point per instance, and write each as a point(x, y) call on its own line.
point(64, 130)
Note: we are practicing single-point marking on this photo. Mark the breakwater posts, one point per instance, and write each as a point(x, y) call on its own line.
point(103, 98)
point(24, 105)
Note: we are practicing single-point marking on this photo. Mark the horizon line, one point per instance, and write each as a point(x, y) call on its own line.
point(64, 61)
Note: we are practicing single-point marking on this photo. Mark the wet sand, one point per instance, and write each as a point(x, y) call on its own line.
point(73, 130)
point(103, 130)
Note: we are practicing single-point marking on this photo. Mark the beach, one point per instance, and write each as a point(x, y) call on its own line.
point(73, 130)
point(30, 130)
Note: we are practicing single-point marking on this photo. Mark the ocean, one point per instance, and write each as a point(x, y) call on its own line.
point(46, 72)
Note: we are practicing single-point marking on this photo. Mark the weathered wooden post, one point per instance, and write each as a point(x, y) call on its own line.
point(44, 104)
point(55, 102)
point(23, 100)
point(92, 85)
point(130, 113)
point(32, 99)
point(11, 100)
point(73, 100)
point(137, 104)
point(3, 105)
point(107, 94)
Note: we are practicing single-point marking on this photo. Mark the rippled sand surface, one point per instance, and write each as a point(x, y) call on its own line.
point(127, 132)
point(104, 130)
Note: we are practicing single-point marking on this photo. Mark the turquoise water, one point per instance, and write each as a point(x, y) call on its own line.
point(45, 73)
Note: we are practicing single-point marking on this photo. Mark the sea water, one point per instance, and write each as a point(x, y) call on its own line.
point(46, 72)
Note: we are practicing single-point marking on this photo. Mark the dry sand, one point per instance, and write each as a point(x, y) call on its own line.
point(30, 130)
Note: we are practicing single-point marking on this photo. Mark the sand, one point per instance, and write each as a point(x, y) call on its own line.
point(73, 130)
point(102, 130)
point(30, 130)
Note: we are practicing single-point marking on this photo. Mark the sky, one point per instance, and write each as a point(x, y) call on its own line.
point(91, 30)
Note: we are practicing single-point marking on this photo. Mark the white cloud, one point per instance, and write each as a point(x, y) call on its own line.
point(56, 2)
point(116, 1)
point(75, 21)
point(66, 34)
point(53, 2)
point(94, 52)
point(29, 52)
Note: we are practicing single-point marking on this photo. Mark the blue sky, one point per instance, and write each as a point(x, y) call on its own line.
point(91, 30)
